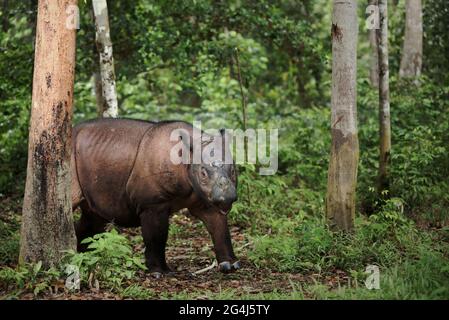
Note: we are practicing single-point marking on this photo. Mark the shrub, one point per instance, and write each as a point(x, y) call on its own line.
point(109, 260)
point(386, 239)
point(28, 277)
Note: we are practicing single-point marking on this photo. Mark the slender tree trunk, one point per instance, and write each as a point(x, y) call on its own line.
point(47, 223)
point(303, 99)
point(374, 63)
point(411, 62)
point(384, 98)
point(342, 175)
point(96, 75)
point(104, 47)
point(5, 15)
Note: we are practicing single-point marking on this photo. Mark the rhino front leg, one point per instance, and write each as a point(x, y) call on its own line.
point(217, 225)
point(155, 232)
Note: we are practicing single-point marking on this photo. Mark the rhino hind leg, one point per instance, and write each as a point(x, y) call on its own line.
point(88, 225)
point(155, 233)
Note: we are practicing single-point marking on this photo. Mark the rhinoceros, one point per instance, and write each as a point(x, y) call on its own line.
point(122, 172)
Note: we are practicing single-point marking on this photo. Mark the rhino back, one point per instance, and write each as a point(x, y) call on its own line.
point(105, 152)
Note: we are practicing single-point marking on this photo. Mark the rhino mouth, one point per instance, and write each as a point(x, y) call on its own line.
point(224, 209)
point(224, 212)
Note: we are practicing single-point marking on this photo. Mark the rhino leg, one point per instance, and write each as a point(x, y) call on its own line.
point(217, 225)
point(155, 233)
point(88, 225)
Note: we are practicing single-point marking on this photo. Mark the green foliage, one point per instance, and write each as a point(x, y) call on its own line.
point(15, 99)
point(109, 259)
point(136, 292)
point(420, 140)
point(377, 240)
point(30, 277)
point(387, 239)
point(423, 278)
point(436, 40)
point(9, 239)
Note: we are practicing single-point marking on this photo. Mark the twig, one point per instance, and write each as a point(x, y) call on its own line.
point(245, 138)
point(239, 74)
point(244, 246)
point(213, 265)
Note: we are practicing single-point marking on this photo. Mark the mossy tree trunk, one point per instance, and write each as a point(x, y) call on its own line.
point(384, 99)
point(412, 52)
point(47, 223)
point(342, 175)
point(109, 108)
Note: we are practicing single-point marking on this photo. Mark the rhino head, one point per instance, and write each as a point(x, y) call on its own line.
point(214, 179)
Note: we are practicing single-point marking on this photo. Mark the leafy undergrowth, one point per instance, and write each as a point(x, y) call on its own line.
point(316, 267)
point(113, 269)
point(413, 263)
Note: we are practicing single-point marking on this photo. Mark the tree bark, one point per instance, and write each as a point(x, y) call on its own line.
point(384, 98)
point(104, 47)
point(5, 15)
point(411, 62)
point(342, 175)
point(374, 63)
point(47, 222)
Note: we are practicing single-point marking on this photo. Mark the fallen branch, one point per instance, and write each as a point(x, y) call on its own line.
point(213, 265)
point(244, 246)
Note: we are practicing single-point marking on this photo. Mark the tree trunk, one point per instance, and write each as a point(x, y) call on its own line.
point(342, 175)
point(374, 64)
point(5, 15)
point(96, 77)
point(411, 62)
point(303, 99)
point(104, 47)
point(384, 98)
point(47, 223)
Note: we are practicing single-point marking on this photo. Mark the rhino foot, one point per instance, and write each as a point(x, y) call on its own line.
point(159, 275)
point(227, 267)
point(156, 275)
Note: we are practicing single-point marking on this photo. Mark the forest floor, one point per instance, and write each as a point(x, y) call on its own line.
point(189, 250)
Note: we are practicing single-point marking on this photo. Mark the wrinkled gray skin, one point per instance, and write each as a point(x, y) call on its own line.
point(122, 173)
